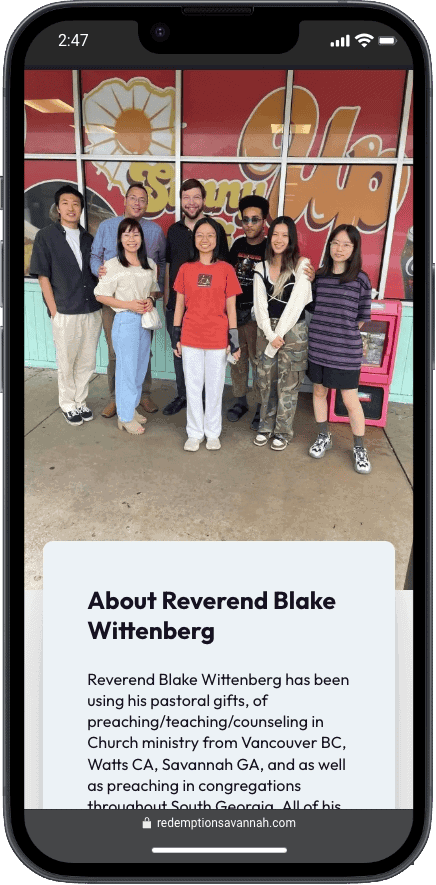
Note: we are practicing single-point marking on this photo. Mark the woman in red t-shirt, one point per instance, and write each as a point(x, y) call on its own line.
point(204, 331)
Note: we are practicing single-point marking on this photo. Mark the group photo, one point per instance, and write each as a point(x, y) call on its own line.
point(233, 291)
point(225, 306)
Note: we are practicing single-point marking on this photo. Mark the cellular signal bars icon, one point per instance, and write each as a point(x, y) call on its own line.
point(343, 41)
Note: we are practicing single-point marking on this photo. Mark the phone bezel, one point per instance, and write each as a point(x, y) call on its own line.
point(14, 517)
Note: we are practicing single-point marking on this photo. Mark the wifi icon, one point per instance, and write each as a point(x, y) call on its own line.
point(364, 39)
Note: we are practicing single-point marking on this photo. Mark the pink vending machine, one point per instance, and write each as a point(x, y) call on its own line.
point(380, 338)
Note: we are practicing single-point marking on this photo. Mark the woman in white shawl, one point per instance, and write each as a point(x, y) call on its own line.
point(281, 292)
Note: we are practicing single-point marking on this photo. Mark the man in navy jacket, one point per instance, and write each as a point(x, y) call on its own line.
point(60, 260)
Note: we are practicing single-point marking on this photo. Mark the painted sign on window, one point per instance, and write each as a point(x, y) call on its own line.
point(132, 115)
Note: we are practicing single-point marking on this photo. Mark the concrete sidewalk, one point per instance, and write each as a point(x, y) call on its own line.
point(96, 483)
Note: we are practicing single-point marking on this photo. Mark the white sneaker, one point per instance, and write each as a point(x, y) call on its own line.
point(213, 444)
point(321, 445)
point(192, 444)
point(361, 461)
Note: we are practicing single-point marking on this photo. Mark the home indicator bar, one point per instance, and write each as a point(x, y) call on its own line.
point(216, 850)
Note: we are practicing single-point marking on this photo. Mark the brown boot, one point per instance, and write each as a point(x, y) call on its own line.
point(110, 410)
point(148, 405)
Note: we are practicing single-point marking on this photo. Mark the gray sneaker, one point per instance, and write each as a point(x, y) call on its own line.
point(361, 461)
point(321, 445)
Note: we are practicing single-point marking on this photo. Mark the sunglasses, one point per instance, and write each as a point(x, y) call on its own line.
point(246, 219)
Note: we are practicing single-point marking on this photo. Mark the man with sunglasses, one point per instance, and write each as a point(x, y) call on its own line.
point(244, 254)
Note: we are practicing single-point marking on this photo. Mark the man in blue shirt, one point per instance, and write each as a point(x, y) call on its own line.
point(104, 247)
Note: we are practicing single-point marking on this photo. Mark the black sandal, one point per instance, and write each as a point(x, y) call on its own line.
point(255, 422)
point(236, 412)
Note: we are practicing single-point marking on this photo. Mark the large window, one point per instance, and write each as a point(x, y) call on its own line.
point(314, 142)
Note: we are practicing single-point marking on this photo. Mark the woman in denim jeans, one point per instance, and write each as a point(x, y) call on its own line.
point(129, 288)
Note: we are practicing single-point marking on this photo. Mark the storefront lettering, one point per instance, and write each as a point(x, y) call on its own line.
point(224, 195)
point(321, 193)
point(159, 178)
point(324, 194)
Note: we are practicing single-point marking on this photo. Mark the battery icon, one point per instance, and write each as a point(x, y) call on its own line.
point(387, 41)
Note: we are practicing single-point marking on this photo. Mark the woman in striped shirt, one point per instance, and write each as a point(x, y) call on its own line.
point(341, 304)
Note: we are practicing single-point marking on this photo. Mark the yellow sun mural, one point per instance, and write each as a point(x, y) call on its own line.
point(128, 118)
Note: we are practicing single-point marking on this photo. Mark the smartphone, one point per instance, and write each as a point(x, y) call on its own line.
point(279, 683)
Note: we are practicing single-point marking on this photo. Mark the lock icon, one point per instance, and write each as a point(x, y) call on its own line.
point(146, 823)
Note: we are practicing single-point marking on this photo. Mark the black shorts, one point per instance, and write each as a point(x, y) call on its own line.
point(337, 379)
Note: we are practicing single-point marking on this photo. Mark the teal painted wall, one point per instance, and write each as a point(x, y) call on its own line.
point(39, 348)
point(402, 382)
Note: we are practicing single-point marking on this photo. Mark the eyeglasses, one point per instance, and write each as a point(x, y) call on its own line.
point(254, 219)
point(344, 245)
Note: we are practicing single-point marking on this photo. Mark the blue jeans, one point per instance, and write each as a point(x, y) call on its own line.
point(132, 348)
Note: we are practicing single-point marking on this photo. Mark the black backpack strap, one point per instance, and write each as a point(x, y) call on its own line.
point(266, 281)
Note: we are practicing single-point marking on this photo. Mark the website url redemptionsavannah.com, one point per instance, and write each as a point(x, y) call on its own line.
point(238, 823)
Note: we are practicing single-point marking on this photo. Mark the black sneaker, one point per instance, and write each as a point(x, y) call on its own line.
point(176, 405)
point(361, 461)
point(86, 413)
point(74, 417)
point(321, 445)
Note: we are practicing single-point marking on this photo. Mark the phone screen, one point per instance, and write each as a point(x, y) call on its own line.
point(220, 641)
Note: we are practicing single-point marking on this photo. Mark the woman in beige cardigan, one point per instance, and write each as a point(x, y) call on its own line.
point(281, 291)
point(130, 288)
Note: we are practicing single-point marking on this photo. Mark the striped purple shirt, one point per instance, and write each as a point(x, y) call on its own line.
point(334, 336)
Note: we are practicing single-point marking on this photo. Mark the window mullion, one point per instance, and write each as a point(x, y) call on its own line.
point(285, 141)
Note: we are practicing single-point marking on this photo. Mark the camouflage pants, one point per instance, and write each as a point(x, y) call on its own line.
point(280, 378)
point(239, 371)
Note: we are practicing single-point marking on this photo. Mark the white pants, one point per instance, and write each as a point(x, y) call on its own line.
point(76, 339)
point(204, 368)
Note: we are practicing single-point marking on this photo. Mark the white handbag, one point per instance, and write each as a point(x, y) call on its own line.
point(151, 320)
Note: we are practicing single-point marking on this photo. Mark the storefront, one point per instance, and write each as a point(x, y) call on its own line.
point(316, 143)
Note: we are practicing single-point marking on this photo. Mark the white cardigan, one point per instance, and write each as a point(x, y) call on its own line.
point(301, 295)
